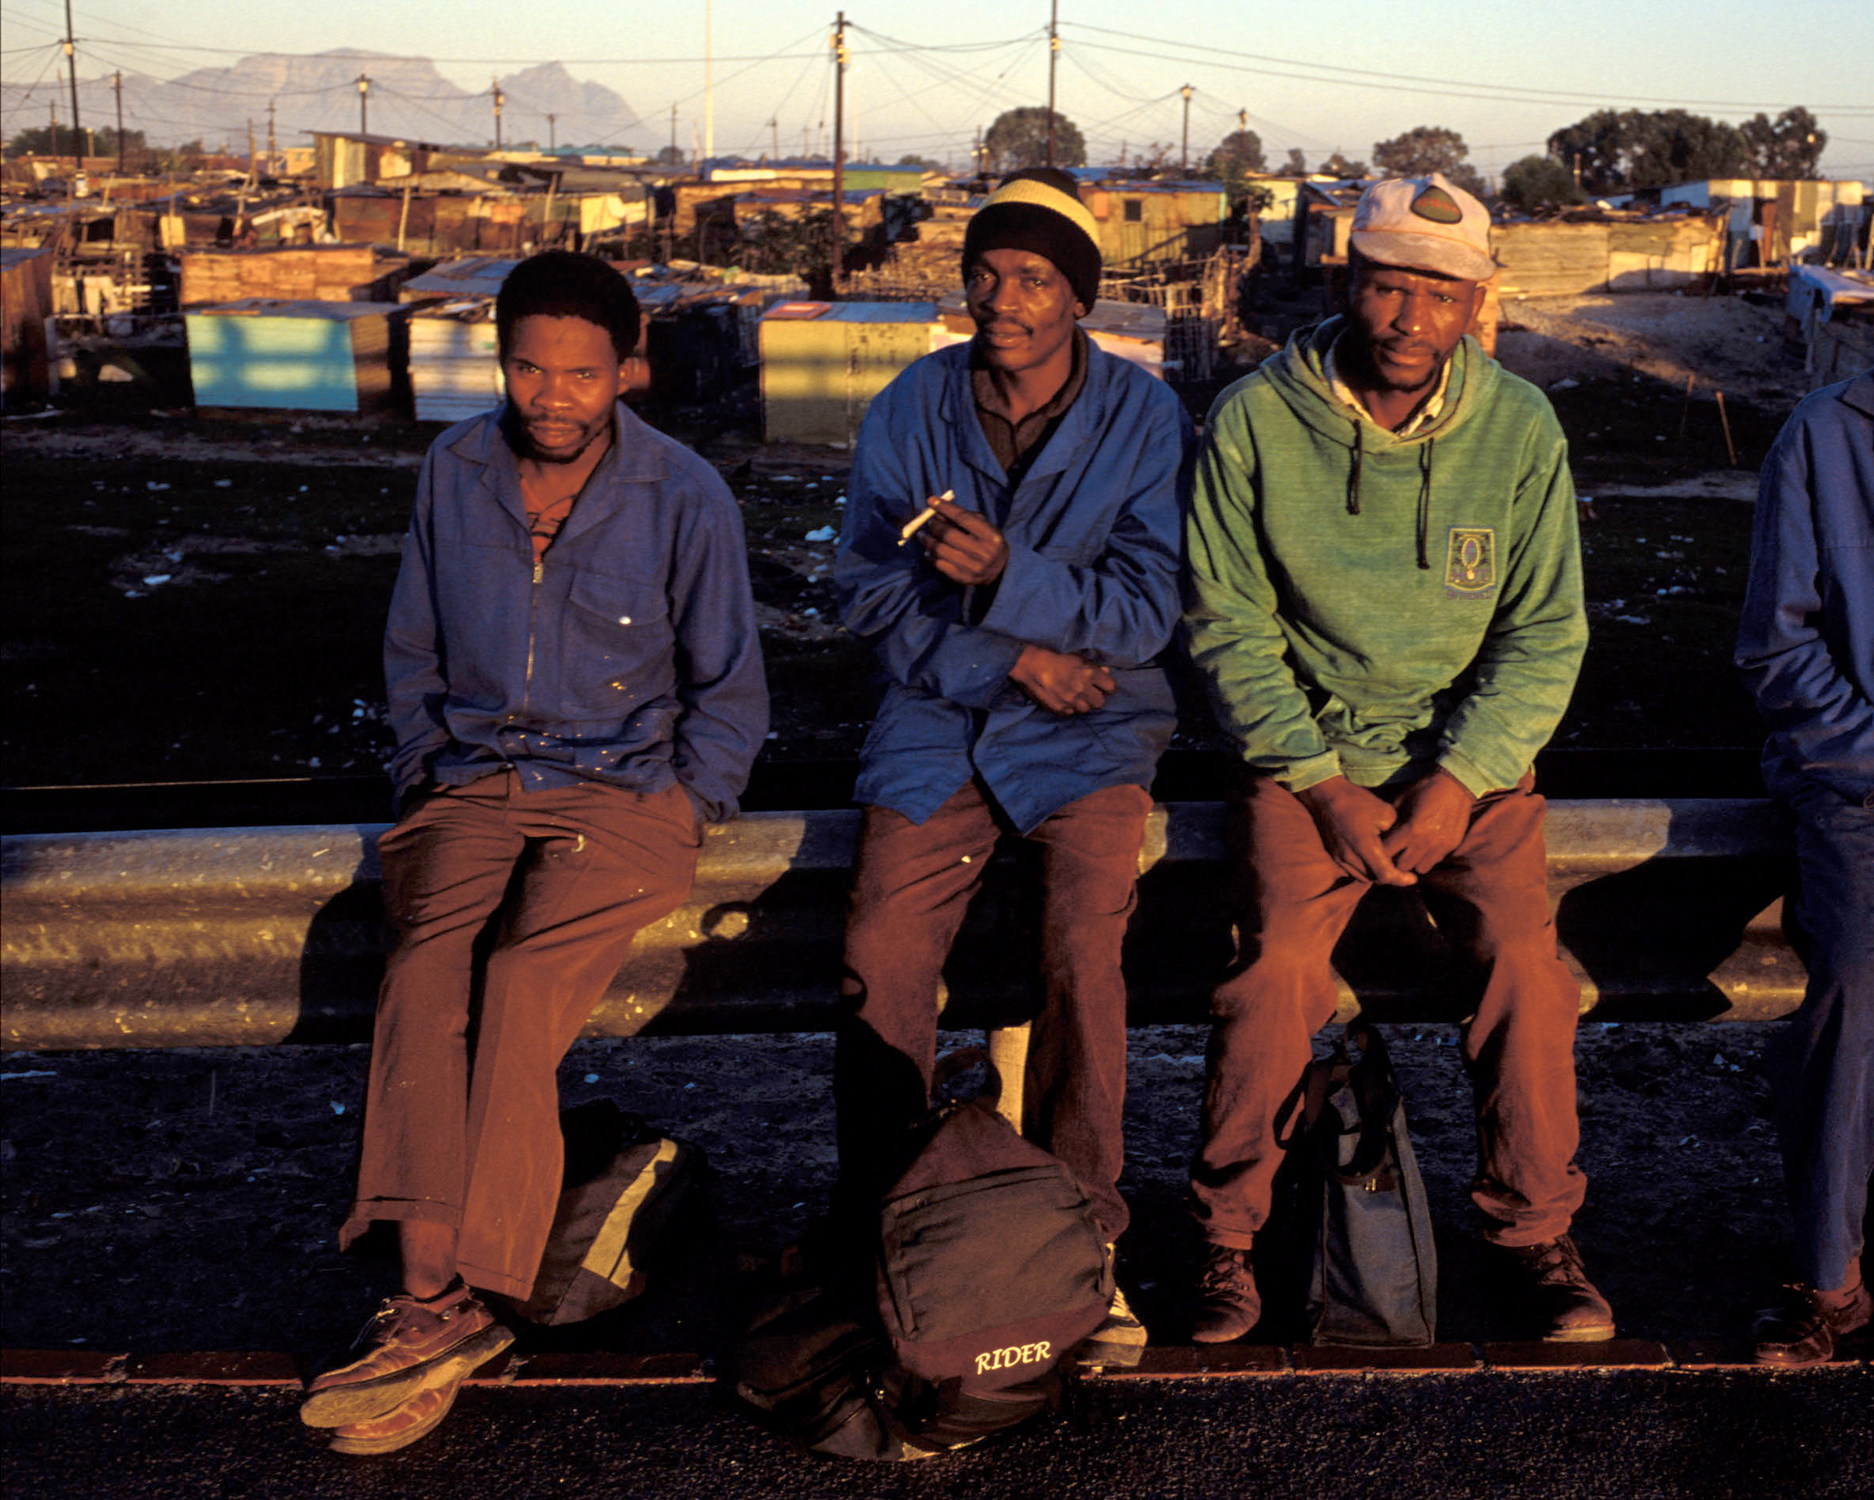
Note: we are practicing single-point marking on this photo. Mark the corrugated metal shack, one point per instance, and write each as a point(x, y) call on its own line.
point(823, 362)
point(1610, 251)
point(305, 273)
point(1767, 222)
point(455, 367)
point(25, 306)
point(1145, 223)
point(300, 355)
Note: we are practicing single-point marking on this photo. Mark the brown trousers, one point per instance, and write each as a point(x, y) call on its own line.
point(1490, 900)
point(512, 911)
point(911, 888)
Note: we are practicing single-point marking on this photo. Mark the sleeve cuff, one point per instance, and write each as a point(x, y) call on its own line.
point(1299, 775)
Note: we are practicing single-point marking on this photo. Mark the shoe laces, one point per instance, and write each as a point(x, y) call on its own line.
point(1555, 1262)
point(1225, 1271)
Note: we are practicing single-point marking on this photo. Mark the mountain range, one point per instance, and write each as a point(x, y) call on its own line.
point(407, 97)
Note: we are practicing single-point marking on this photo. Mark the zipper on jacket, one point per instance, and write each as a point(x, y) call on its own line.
point(533, 622)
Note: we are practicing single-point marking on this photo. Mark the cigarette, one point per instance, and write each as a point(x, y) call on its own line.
point(910, 527)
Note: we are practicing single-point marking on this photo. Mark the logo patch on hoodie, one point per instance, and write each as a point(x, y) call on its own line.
point(1471, 563)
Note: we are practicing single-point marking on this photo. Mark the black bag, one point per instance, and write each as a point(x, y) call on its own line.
point(624, 1184)
point(816, 1366)
point(991, 1265)
point(990, 1268)
point(1372, 1277)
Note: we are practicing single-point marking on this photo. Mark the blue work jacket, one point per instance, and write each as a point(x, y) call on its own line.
point(628, 654)
point(1806, 638)
point(1094, 531)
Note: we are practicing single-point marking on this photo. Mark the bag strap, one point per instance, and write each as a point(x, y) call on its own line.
point(952, 1065)
point(1376, 1097)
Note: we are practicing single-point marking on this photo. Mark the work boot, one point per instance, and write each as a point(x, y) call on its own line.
point(1550, 1290)
point(1228, 1304)
point(1802, 1329)
point(411, 1344)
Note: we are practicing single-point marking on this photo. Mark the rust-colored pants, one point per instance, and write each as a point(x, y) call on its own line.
point(461, 1122)
point(1490, 900)
point(911, 888)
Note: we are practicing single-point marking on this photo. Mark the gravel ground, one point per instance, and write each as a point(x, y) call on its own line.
point(188, 1199)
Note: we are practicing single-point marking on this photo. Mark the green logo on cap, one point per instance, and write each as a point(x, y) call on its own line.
point(1438, 206)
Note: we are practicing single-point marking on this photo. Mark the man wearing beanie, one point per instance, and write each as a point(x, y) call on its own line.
point(1386, 606)
point(1018, 629)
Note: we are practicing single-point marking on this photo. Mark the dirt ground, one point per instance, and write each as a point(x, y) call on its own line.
point(189, 1199)
point(197, 598)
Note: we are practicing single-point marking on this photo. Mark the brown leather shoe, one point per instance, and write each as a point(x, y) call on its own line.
point(1228, 1304)
point(401, 1425)
point(1550, 1288)
point(407, 1347)
point(1801, 1330)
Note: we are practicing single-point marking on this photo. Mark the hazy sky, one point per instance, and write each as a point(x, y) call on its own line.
point(924, 76)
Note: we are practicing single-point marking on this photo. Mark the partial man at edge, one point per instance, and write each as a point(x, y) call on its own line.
point(1806, 647)
point(1387, 609)
point(1019, 635)
point(575, 688)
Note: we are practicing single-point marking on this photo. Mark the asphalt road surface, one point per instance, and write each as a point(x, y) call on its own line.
point(1572, 1436)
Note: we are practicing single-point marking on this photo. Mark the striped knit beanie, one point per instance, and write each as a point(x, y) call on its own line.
point(1039, 209)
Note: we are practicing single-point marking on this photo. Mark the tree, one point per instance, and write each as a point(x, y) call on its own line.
point(37, 141)
point(1622, 150)
point(669, 156)
point(1786, 149)
point(1425, 149)
point(1338, 166)
point(1019, 138)
point(1239, 152)
point(926, 163)
point(1539, 182)
point(1297, 164)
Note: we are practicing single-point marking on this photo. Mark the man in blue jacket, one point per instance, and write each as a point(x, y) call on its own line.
point(1018, 628)
point(1806, 647)
point(575, 688)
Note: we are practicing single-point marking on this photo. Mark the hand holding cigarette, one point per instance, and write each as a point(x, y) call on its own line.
point(910, 527)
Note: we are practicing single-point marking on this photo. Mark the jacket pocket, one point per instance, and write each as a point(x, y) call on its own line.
point(615, 647)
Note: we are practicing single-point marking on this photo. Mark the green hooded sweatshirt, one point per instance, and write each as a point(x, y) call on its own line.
point(1370, 605)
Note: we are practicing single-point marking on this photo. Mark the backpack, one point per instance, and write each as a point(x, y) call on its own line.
point(988, 1269)
point(624, 1185)
point(1357, 1201)
point(815, 1365)
point(991, 1267)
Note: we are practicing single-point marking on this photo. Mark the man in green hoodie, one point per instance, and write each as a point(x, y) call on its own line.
point(1386, 606)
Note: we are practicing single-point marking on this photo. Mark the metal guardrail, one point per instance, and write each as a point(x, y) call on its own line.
point(1666, 910)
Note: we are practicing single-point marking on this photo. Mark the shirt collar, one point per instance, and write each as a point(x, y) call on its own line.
point(1427, 412)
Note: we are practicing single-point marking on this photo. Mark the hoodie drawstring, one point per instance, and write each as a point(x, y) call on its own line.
point(1353, 479)
point(1425, 490)
point(1425, 500)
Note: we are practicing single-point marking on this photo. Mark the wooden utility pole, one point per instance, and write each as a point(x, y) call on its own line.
point(273, 149)
point(52, 125)
point(364, 104)
point(839, 148)
point(71, 63)
point(553, 140)
point(494, 87)
point(117, 83)
point(1054, 51)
